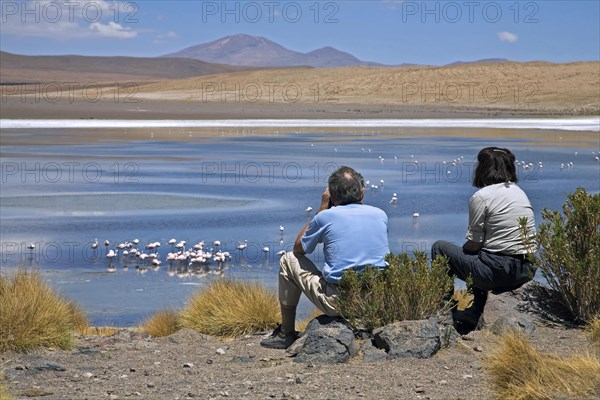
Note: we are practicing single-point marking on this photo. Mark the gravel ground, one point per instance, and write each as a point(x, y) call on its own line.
point(188, 365)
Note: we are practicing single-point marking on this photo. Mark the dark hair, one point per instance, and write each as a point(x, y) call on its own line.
point(494, 165)
point(346, 186)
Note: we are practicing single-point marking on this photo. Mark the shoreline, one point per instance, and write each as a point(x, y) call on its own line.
point(14, 107)
point(557, 123)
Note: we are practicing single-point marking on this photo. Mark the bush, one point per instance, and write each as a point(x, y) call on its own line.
point(33, 315)
point(569, 256)
point(519, 371)
point(229, 309)
point(163, 323)
point(407, 290)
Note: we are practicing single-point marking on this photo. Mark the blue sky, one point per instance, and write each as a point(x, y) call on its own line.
point(386, 31)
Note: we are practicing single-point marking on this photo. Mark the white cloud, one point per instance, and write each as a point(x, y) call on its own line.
point(112, 29)
point(70, 20)
point(508, 37)
point(161, 38)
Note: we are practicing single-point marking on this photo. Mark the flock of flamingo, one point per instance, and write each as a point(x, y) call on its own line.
point(193, 259)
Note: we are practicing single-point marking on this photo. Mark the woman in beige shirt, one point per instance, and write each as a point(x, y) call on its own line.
point(495, 255)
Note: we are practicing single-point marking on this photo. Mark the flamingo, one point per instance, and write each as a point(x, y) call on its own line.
point(415, 216)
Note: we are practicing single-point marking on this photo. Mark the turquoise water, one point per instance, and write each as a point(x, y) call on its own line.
point(63, 198)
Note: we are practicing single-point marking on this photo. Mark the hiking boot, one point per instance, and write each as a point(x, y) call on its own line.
point(470, 319)
point(464, 321)
point(279, 340)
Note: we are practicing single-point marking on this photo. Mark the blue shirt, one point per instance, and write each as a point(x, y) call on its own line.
point(352, 235)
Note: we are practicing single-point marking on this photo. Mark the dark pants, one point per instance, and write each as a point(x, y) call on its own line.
point(487, 271)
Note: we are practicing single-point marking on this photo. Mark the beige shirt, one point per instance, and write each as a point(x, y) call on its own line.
point(494, 213)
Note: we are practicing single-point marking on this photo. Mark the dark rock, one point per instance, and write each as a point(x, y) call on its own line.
point(372, 353)
point(245, 358)
point(326, 340)
point(89, 352)
point(419, 339)
point(509, 323)
point(35, 392)
point(50, 366)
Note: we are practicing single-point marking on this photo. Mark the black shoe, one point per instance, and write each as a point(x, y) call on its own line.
point(464, 321)
point(279, 340)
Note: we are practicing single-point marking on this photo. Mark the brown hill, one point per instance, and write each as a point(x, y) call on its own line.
point(18, 69)
point(566, 88)
point(257, 51)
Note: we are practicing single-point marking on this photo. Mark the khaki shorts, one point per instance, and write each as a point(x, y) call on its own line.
point(297, 275)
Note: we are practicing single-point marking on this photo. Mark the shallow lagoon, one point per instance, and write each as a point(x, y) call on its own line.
point(234, 189)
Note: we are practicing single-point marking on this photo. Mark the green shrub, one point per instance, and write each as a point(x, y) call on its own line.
point(569, 255)
point(409, 289)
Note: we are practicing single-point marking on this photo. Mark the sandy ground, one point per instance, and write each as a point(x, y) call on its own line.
point(531, 88)
point(60, 106)
point(189, 366)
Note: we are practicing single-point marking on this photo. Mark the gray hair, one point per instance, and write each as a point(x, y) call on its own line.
point(346, 186)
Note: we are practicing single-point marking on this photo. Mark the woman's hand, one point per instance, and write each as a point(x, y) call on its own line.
point(472, 247)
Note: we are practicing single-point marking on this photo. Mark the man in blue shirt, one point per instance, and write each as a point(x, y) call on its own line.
point(353, 235)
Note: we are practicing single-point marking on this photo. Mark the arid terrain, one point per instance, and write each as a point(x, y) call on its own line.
point(188, 365)
point(189, 89)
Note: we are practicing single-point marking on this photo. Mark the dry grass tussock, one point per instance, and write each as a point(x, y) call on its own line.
point(518, 371)
point(104, 331)
point(3, 391)
point(231, 308)
point(593, 330)
point(33, 315)
point(163, 323)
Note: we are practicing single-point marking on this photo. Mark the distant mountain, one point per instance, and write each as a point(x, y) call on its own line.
point(257, 51)
point(483, 61)
point(22, 69)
